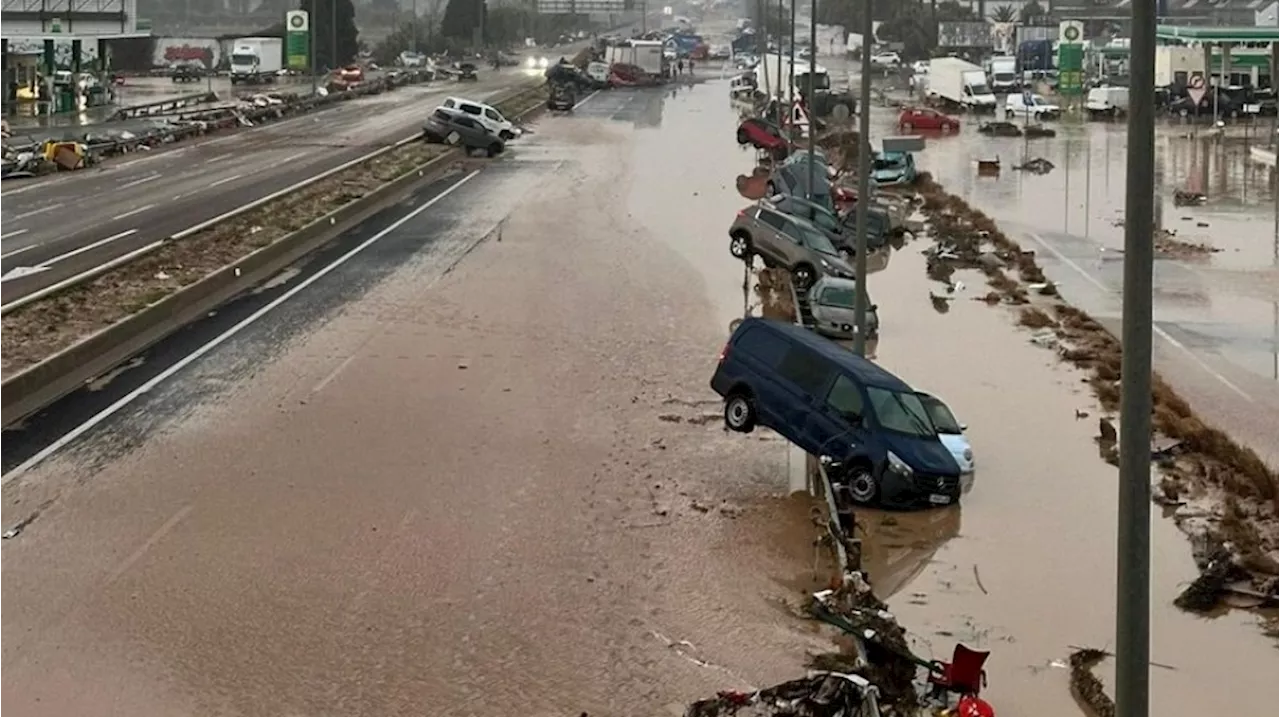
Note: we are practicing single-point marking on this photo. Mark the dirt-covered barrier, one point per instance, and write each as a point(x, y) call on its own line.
point(1200, 463)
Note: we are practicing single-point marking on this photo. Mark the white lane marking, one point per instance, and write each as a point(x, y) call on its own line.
point(16, 252)
point(332, 374)
point(131, 212)
point(18, 272)
point(220, 339)
point(12, 234)
point(34, 212)
point(155, 537)
point(89, 247)
point(224, 180)
point(140, 180)
point(1155, 329)
point(292, 157)
point(586, 99)
point(222, 158)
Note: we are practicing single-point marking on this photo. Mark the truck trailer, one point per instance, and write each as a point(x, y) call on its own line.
point(256, 60)
point(956, 82)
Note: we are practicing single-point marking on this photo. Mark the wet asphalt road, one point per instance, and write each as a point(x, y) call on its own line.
point(438, 476)
point(58, 227)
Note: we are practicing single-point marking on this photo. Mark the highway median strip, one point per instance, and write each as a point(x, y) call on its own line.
point(54, 323)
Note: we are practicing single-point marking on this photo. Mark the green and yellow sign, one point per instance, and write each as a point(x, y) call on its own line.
point(297, 40)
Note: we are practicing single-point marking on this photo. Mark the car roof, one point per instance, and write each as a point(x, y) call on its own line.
point(459, 100)
point(866, 371)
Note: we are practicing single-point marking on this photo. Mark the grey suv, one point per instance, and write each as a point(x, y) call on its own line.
point(453, 127)
point(786, 241)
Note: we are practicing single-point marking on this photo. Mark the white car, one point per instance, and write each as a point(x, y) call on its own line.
point(486, 115)
point(1028, 104)
point(951, 433)
point(920, 67)
point(886, 59)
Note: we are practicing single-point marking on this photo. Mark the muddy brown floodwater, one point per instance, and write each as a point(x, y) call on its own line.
point(495, 484)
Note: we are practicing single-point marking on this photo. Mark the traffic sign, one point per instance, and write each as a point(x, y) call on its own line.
point(1196, 89)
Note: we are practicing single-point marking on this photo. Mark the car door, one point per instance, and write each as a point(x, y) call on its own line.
point(474, 110)
point(494, 119)
point(806, 376)
point(836, 423)
point(791, 243)
point(771, 240)
point(472, 132)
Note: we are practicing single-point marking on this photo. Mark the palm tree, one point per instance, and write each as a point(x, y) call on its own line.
point(1004, 13)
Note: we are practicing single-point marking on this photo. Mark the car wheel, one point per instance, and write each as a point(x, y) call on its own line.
point(803, 276)
point(863, 488)
point(740, 413)
point(494, 150)
point(742, 137)
point(507, 135)
point(908, 126)
point(740, 245)
point(1008, 114)
point(840, 112)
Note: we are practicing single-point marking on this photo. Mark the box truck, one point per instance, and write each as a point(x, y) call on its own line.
point(256, 60)
point(963, 84)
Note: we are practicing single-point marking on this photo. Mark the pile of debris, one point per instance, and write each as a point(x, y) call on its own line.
point(821, 694)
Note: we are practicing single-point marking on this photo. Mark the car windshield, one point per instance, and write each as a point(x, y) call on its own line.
point(813, 238)
point(980, 89)
point(837, 297)
point(900, 411)
point(941, 416)
point(890, 161)
point(242, 59)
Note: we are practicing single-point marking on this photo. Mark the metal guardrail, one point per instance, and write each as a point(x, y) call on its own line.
point(162, 107)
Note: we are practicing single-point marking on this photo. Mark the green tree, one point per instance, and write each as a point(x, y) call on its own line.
point(1032, 13)
point(463, 19)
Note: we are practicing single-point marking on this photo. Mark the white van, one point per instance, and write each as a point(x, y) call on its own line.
point(1104, 102)
point(486, 115)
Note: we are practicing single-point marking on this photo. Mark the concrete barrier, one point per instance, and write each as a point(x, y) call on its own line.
point(42, 384)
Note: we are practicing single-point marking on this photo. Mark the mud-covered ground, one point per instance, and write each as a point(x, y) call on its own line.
point(468, 488)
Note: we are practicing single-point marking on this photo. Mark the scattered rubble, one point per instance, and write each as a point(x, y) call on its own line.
point(1086, 688)
point(1206, 465)
point(1039, 165)
point(33, 332)
point(1169, 246)
point(822, 694)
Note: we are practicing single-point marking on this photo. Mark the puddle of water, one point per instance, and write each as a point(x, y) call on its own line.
point(1029, 572)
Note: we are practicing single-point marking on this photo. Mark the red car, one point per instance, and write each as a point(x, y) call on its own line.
point(763, 135)
point(917, 118)
point(351, 73)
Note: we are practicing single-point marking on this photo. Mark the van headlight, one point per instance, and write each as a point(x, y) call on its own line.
point(897, 465)
point(968, 455)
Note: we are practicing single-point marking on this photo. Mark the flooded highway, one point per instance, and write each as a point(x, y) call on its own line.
point(478, 467)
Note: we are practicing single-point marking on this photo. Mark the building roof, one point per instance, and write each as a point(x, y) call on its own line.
point(1218, 34)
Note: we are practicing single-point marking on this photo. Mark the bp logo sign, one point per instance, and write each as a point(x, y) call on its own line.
point(297, 22)
point(1071, 33)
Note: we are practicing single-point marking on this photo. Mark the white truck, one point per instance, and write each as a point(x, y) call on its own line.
point(960, 83)
point(256, 60)
point(817, 91)
point(1002, 74)
point(645, 54)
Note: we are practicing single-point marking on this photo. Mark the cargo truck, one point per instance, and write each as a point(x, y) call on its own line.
point(1002, 74)
point(644, 54)
point(256, 60)
point(961, 84)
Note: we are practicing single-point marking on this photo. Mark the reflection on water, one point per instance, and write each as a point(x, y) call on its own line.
point(896, 547)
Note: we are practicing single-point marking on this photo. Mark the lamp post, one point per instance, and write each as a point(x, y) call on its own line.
point(791, 66)
point(1133, 529)
point(311, 44)
point(864, 187)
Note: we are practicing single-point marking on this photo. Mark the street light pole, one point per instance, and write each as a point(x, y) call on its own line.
point(333, 33)
point(864, 187)
point(1133, 534)
point(791, 62)
point(311, 45)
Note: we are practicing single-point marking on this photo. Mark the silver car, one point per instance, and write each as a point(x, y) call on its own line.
point(831, 303)
point(788, 242)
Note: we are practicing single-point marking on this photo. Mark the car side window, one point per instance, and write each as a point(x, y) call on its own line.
point(806, 369)
point(773, 219)
point(844, 398)
point(442, 115)
point(471, 109)
point(493, 115)
point(791, 231)
point(450, 103)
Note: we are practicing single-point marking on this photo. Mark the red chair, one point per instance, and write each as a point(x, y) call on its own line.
point(963, 675)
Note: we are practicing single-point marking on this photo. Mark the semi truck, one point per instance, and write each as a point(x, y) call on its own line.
point(954, 81)
point(645, 54)
point(256, 60)
point(816, 90)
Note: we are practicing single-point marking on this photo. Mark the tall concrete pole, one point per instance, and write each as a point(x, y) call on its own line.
point(864, 186)
point(311, 44)
point(1133, 543)
point(791, 86)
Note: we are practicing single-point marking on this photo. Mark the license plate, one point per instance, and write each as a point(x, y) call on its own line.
point(939, 499)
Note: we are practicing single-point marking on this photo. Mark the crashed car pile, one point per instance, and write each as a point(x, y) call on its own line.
point(879, 439)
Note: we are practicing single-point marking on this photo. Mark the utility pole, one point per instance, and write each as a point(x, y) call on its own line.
point(779, 65)
point(333, 33)
point(413, 25)
point(791, 64)
point(1133, 534)
point(864, 186)
point(311, 44)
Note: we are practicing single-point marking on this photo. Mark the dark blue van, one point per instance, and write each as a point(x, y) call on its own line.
point(831, 402)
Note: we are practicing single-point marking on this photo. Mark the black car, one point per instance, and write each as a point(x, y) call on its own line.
point(186, 73)
point(467, 72)
point(562, 98)
point(459, 129)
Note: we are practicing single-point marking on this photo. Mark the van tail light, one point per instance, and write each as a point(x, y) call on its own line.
point(742, 212)
point(724, 353)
